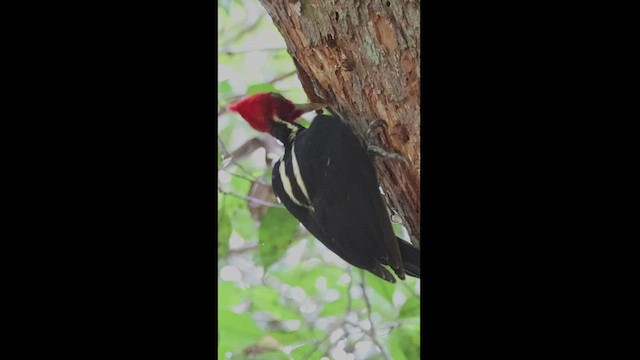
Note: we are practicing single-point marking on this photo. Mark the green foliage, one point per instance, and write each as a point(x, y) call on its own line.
point(238, 210)
point(301, 353)
point(411, 308)
point(383, 288)
point(397, 229)
point(306, 277)
point(339, 306)
point(405, 342)
point(231, 295)
point(225, 135)
point(303, 335)
point(224, 88)
point(236, 331)
point(304, 122)
point(261, 88)
point(275, 235)
point(268, 300)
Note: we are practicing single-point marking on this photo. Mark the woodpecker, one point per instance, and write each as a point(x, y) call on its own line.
point(326, 179)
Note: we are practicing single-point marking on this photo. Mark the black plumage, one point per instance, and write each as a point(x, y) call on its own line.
point(326, 179)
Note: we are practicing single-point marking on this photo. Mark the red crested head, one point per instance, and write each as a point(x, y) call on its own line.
point(259, 110)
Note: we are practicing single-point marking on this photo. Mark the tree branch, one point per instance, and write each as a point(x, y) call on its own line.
point(372, 332)
point(252, 199)
point(349, 299)
point(227, 155)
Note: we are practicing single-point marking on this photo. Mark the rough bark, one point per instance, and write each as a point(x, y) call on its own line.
point(362, 58)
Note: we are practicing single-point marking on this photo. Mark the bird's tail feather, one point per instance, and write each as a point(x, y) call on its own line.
point(410, 258)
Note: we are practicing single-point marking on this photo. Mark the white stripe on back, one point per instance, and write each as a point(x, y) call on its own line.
point(286, 183)
point(298, 175)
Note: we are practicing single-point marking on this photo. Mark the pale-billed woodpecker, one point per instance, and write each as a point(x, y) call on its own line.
point(326, 179)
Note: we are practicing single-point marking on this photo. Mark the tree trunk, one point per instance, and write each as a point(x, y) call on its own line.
point(362, 57)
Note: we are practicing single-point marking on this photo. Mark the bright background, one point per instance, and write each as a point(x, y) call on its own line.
point(282, 294)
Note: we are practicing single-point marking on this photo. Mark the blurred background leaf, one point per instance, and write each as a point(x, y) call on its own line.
point(275, 235)
point(261, 88)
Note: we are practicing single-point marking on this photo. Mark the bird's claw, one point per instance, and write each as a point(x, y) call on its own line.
point(377, 150)
point(375, 125)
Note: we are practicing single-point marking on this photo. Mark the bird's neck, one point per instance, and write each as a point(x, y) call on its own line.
point(285, 131)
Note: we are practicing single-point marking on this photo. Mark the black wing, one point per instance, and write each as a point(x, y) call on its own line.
point(327, 181)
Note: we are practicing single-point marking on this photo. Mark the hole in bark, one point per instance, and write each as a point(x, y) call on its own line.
point(331, 41)
point(388, 3)
point(348, 65)
point(338, 15)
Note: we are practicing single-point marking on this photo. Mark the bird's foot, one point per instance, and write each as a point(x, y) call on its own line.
point(371, 132)
point(377, 150)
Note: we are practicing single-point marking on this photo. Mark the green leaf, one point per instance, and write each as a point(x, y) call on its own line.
point(301, 335)
point(337, 307)
point(411, 308)
point(238, 210)
point(241, 186)
point(275, 235)
point(381, 287)
point(304, 122)
point(225, 134)
point(261, 88)
point(268, 299)
point(404, 342)
point(228, 295)
point(301, 352)
point(243, 223)
point(397, 229)
point(236, 331)
point(395, 348)
point(224, 87)
point(306, 277)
